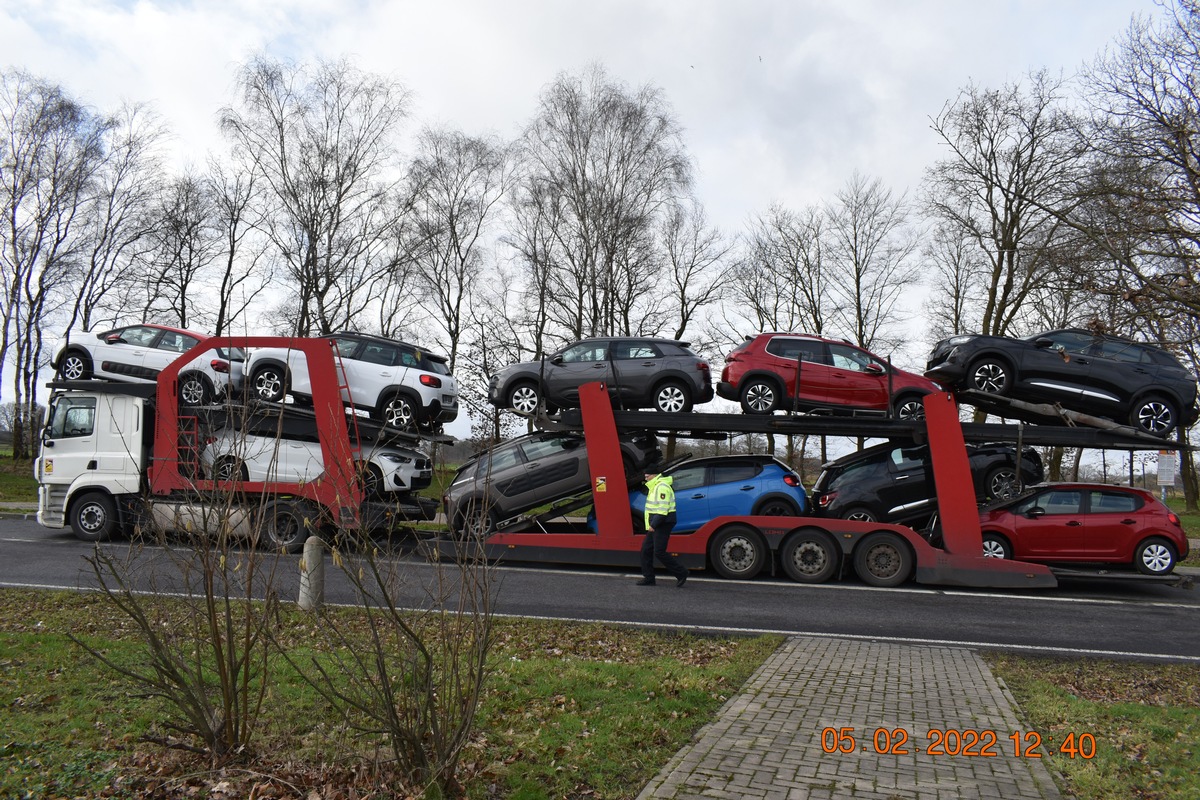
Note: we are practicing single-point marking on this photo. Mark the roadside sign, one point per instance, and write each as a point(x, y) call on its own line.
point(1166, 467)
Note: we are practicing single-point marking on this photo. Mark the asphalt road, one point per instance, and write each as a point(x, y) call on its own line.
point(1134, 620)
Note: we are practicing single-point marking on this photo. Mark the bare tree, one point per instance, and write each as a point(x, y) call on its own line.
point(319, 143)
point(870, 256)
point(243, 275)
point(600, 166)
point(1013, 159)
point(697, 264)
point(184, 242)
point(457, 182)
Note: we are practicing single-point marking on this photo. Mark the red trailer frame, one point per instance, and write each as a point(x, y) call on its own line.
point(958, 562)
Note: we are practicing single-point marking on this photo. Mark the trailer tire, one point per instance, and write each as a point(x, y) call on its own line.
point(283, 527)
point(883, 559)
point(809, 556)
point(738, 551)
point(1154, 557)
point(94, 517)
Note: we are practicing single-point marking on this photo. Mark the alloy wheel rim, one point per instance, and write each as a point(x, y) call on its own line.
point(760, 397)
point(525, 400)
point(1155, 417)
point(1156, 557)
point(670, 399)
point(989, 378)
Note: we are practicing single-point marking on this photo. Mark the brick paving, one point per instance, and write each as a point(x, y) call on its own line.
point(767, 741)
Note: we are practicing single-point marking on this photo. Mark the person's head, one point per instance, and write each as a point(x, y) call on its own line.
point(650, 476)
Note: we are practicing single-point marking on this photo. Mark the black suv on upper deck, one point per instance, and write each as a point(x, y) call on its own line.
point(1133, 383)
point(640, 372)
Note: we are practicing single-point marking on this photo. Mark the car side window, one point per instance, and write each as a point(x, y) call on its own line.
point(1127, 352)
point(731, 473)
point(632, 350)
point(73, 417)
point(1071, 342)
point(138, 335)
point(1101, 502)
point(804, 349)
point(536, 449)
point(850, 358)
point(687, 478)
point(1061, 501)
point(906, 460)
point(497, 461)
point(587, 351)
point(408, 358)
point(345, 348)
point(376, 353)
point(177, 342)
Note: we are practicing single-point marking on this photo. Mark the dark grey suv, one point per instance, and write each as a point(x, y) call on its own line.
point(663, 374)
point(528, 472)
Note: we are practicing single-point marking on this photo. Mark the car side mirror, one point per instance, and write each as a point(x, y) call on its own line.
point(114, 339)
point(1035, 512)
point(873, 368)
point(556, 360)
point(1043, 342)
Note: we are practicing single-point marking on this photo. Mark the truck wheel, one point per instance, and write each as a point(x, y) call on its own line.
point(996, 546)
point(269, 384)
point(194, 390)
point(399, 412)
point(94, 517)
point(283, 527)
point(883, 559)
point(1154, 557)
point(809, 557)
point(738, 551)
point(76, 365)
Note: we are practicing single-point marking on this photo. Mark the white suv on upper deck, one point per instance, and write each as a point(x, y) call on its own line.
point(400, 384)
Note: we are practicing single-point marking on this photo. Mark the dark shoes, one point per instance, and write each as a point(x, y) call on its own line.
point(646, 582)
point(681, 580)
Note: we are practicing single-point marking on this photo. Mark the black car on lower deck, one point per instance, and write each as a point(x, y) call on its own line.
point(1133, 383)
point(894, 483)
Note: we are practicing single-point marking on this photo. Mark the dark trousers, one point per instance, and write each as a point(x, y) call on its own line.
point(654, 545)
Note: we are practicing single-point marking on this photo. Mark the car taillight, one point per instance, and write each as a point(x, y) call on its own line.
point(729, 359)
point(431, 380)
point(824, 500)
point(791, 480)
point(219, 366)
point(702, 366)
point(1174, 519)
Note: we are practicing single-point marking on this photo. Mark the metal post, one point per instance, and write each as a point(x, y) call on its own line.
point(312, 575)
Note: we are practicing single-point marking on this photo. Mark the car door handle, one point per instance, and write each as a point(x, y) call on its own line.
point(1074, 523)
point(647, 363)
point(697, 497)
point(748, 488)
point(1129, 522)
point(902, 478)
point(1082, 360)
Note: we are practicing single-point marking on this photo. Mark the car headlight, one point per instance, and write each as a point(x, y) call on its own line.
point(954, 341)
point(395, 459)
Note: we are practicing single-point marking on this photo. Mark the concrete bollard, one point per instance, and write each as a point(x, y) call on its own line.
point(312, 575)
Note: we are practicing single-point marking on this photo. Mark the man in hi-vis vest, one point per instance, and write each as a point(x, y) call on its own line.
point(660, 519)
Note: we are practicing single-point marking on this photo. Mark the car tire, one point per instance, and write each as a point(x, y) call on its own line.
point(75, 365)
point(760, 396)
point(229, 468)
point(883, 559)
point(996, 546)
point(1155, 557)
point(372, 482)
point(269, 384)
point(524, 398)
point(195, 390)
point(809, 557)
point(399, 412)
point(776, 507)
point(738, 552)
point(94, 517)
point(476, 520)
point(1001, 483)
point(672, 397)
point(284, 526)
point(909, 406)
point(860, 514)
point(990, 376)
point(1154, 415)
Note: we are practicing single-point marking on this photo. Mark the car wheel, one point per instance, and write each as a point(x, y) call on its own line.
point(776, 507)
point(194, 390)
point(1154, 415)
point(760, 396)
point(1154, 557)
point(372, 482)
point(883, 559)
point(860, 514)
point(270, 384)
point(524, 398)
point(284, 527)
point(76, 365)
point(738, 551)
point(672, 397)
point(229, 468)
point(909, 406)
point(1001, 483)
point(476, 521)
point(809, 557)
point(996, 546)
point(399, 412)
point(989, 375)
point(94, 517)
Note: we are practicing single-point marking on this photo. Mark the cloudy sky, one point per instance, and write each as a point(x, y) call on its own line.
point(781, 100)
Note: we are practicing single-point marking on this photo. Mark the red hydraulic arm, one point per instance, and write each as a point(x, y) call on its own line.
point(337, 490)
